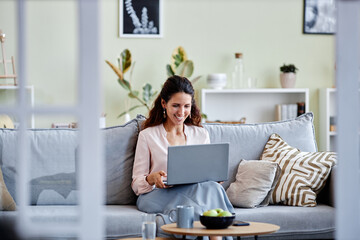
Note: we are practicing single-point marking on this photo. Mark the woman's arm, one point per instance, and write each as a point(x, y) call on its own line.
point(143, 179)
point(141, 167)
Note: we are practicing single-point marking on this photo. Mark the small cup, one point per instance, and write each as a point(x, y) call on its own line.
point(251, 82)
point(148, 228)
point(184, 216)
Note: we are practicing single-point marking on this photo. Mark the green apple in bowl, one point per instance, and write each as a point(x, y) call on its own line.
point(210, 213)
point(219, 210)
point(224, 214)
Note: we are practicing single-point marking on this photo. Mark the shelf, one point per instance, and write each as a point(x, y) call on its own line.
point(256, 105)
point(327, 109)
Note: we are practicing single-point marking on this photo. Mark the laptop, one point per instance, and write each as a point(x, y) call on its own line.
point(197, 163)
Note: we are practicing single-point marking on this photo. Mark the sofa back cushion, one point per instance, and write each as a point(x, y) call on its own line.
point(52, 164)
point(247, 141)
point(53, 157)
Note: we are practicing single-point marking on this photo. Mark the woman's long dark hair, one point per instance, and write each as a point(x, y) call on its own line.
point(173, 84)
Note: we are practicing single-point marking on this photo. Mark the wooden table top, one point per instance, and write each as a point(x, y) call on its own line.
point(255, 228)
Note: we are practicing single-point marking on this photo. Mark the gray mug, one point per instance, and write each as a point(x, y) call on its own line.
point(184, 216)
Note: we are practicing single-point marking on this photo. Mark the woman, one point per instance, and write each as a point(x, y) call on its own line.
point(174, 120)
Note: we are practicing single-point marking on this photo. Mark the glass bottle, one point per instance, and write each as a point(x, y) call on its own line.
point(237, 80)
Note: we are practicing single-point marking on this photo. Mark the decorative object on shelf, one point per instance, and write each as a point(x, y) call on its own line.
point(332, 124)
point(4, 61)
point(181, 65)
point(319, 17)
point(124, 65)
point(237, 75)
point(216, 80)
point(288, 75)
point(251, 82)
point(6, 122)
point(300, 108)
point(242, 121)
point(140, 18)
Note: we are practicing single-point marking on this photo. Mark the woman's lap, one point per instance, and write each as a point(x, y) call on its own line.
point(202, 196)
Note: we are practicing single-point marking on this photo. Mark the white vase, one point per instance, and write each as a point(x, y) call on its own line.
point(287, 80)
point(127, 117)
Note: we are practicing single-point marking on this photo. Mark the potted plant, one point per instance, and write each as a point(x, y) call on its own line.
point(288, 75)
point(124, 65)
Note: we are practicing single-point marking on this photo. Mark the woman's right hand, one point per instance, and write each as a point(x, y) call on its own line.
point(156, 178)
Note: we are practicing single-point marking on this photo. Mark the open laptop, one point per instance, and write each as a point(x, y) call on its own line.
point(197, 163)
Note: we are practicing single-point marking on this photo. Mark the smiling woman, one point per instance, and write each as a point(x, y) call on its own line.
point(174, 120)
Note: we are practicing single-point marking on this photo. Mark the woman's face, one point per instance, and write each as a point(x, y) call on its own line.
point(178, 108)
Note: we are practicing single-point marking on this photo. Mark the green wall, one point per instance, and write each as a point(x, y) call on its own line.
point(269, 33)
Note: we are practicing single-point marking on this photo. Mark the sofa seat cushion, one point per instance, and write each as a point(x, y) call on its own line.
point(305, 223)
point(122, 221)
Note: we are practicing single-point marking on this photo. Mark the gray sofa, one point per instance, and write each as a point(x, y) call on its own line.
point(53, 172)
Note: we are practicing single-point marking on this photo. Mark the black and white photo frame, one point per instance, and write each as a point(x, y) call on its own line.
point(319, 17)
point(140, 18)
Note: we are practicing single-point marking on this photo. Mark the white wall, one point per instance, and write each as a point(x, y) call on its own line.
point(269, 33)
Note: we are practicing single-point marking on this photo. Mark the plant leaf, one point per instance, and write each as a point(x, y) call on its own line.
point(125, 84)
point(177, 57)
point(116, 70)
point(125, 60)
point(147, 92)
point(169, 70)
point(195, 79)
point(154, 94)
point(133, 94)
point(185, 69)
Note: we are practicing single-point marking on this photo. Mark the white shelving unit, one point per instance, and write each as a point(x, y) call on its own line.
point(31, 98)
point(256, 105)
point(327, 109)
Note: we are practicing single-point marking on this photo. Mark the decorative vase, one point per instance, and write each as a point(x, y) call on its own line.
point(287, 80)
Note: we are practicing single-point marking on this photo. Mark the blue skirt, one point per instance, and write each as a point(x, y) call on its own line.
point(202, 196)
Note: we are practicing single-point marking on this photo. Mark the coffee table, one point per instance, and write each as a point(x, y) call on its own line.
point(254, 229)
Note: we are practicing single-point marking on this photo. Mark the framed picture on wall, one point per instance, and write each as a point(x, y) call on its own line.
point(140, 18)
point(319, 17)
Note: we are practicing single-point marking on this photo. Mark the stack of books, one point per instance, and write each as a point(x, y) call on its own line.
point(289, 111)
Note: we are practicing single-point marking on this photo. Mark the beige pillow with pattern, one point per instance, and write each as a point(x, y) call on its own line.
point(7, 203)
point(303, 174)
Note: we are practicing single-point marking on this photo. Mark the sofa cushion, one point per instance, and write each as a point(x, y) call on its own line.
point(255, 182)
point(51, 161)
point(53, 156)
point(120, 144)
point(247, 141)
point(303, 174)
point(295, 222)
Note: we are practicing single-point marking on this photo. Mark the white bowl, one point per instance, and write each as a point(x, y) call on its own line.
point(216, 80)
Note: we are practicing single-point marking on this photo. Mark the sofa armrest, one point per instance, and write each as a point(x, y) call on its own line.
point(327, 194)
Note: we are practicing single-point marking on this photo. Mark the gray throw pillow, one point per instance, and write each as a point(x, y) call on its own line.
point(254, 184)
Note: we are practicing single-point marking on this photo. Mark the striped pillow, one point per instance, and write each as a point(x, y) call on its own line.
point(303, 174)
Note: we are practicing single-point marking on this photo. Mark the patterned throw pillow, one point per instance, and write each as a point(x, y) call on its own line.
point(303, 174)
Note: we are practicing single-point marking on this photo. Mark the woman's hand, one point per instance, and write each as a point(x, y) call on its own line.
point(156, 178)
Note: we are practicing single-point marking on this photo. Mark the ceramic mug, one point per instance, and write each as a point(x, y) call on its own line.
point(184, 216)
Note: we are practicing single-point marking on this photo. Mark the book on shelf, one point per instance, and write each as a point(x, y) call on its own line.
point(289, 111)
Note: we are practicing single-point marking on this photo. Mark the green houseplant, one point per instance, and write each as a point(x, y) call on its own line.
point(288, 75)
point(125, 65)
point(181, 65)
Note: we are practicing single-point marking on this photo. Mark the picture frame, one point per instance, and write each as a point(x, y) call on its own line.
point(319, 17)
point(140, 18)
